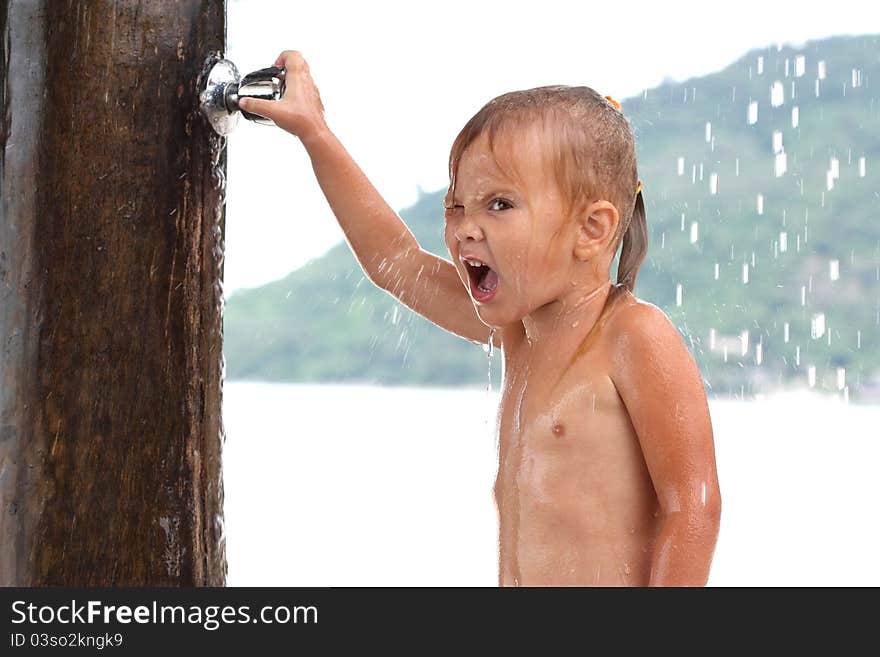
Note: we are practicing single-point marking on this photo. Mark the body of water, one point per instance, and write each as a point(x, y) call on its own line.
point(342, 485)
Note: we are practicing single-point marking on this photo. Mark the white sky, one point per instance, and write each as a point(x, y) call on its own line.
point(400, 79)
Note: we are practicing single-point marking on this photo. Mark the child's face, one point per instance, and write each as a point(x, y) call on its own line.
point(515, 227)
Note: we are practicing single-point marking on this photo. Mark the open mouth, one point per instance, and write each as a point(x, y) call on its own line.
point(483, 280)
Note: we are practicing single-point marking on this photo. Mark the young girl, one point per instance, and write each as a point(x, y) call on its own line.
point(606, 464)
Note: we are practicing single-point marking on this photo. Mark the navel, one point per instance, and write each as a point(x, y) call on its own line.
point(558, 429)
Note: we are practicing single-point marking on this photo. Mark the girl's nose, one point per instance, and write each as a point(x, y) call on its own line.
point(468, 229)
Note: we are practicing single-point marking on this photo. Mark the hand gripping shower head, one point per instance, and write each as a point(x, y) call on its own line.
point(223, 89)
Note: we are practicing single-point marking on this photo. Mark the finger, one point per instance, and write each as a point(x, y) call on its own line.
point(291, 60)
point(264, 108)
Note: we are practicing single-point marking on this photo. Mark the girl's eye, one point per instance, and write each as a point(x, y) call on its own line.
point(506, 205)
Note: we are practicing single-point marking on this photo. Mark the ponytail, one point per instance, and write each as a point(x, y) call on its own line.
point(635, 245)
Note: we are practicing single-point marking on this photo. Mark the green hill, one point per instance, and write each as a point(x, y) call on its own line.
point(810, 256)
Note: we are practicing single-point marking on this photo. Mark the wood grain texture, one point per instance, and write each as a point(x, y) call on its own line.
point(111, 301)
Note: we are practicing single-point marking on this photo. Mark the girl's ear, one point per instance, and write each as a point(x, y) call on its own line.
point(595, 227)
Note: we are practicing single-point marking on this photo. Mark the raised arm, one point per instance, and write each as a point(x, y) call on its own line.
point(659, 383)
point(385, 248)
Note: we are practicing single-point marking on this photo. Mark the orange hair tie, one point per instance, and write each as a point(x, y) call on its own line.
point(639, 188)
point(613, 102)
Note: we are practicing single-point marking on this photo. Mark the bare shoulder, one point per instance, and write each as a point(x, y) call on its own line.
point(640, 330)
point(649, 354)
point(637, 315)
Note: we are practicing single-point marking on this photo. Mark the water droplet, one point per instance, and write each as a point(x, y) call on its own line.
point(681, 166)
point(777, 94)
point(799, 65)
point(753, 112)
point(841, 378)
point(489, 348)
point(795, 117)
point(783, 242)
point(745, 272)
point(781, 164)
point(777, 141)
point(708, 132)
point(821, 69)
point(678, 294)
point(744, 343)
point(834, 269)
point(817, 326)
point(811, 376)
point(713, 183)
point(760, 204)
point(785, 332)
point(694, 231)
point(861, 167)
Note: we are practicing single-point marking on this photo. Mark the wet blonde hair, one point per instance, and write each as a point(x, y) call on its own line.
point(590, 147)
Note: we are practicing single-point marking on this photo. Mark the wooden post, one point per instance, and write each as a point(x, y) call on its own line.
point(111, 299)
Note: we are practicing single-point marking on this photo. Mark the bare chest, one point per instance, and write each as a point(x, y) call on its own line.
point(545, 404)
point(565, 424)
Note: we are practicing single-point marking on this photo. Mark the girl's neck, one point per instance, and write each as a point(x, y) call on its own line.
point(570, 317)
